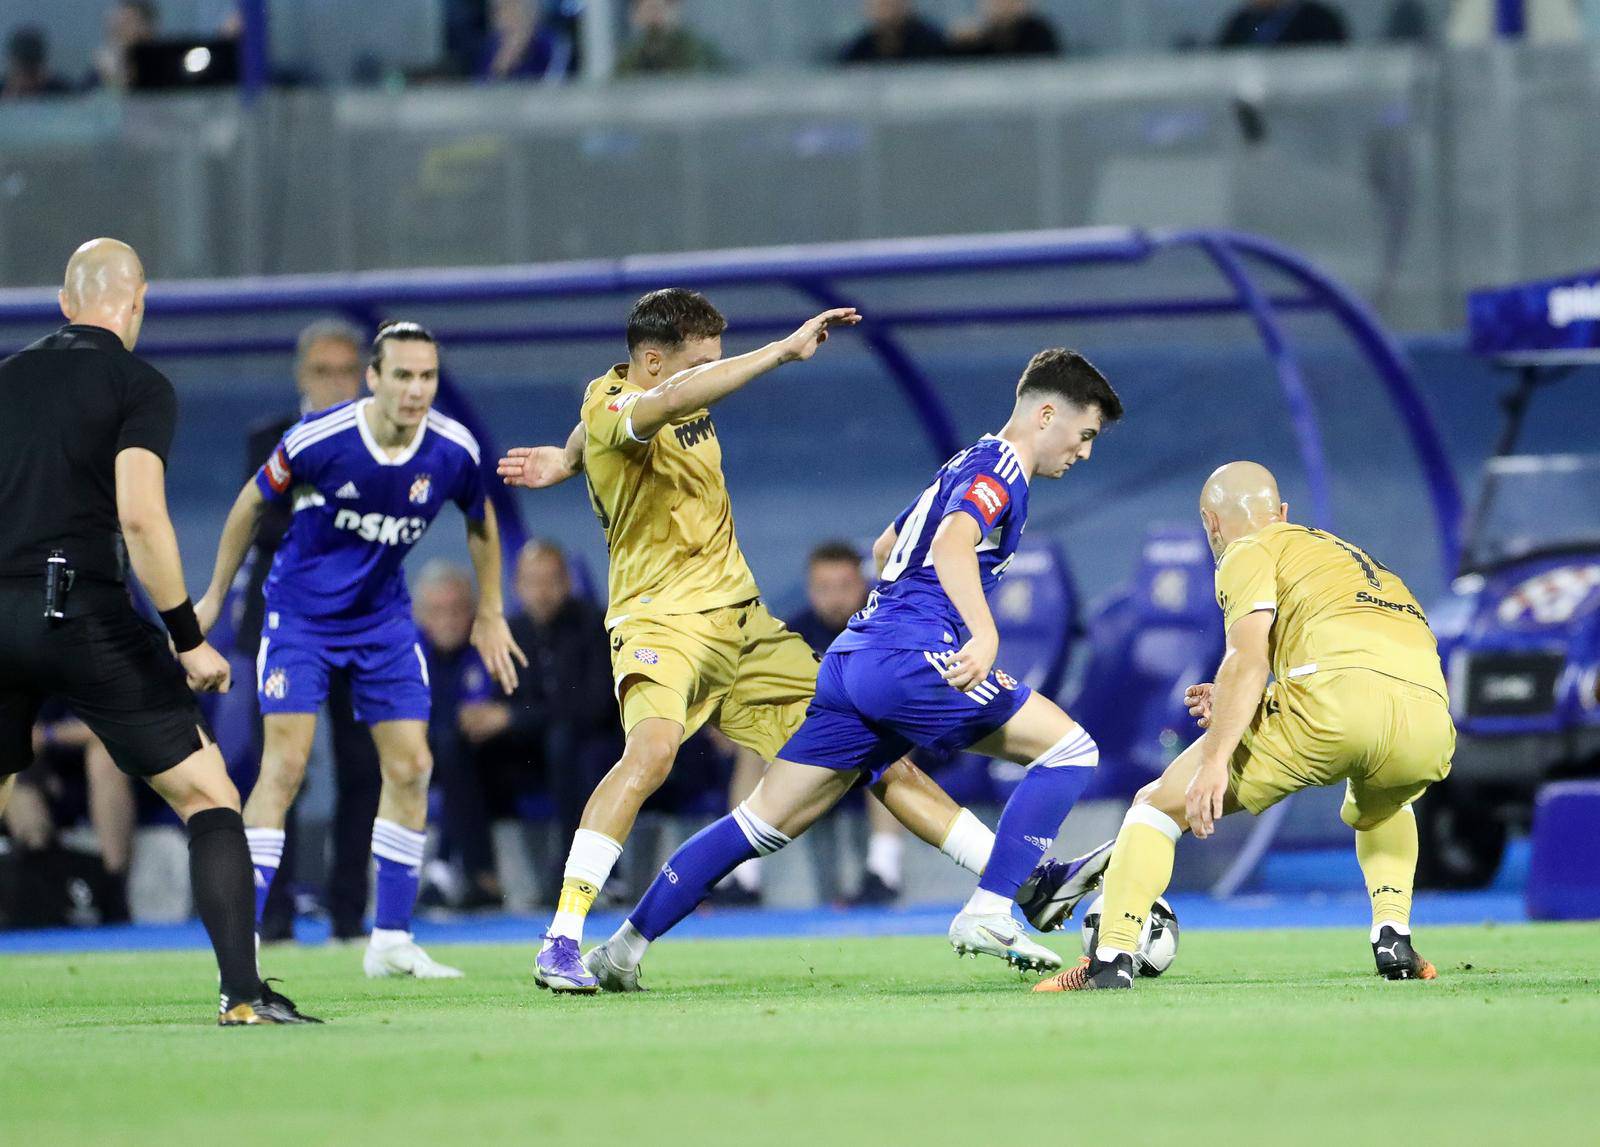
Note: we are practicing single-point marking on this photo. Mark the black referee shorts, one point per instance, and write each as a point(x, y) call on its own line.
point(111, 667)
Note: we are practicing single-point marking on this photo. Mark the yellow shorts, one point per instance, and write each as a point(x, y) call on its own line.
point(1386, 738)
point(737, 668)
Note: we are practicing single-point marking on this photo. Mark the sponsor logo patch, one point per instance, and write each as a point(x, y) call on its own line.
point(989, 495)
point(648, 656)
point(276, 686)
point(278, 470)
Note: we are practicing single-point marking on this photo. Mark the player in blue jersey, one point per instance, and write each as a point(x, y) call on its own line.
point(916, 667)
point(366, 479)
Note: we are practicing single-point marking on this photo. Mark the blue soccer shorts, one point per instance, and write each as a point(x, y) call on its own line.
point(873, 705)
point(386, 666)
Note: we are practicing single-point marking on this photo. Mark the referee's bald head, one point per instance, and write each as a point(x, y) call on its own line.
point(104, 286)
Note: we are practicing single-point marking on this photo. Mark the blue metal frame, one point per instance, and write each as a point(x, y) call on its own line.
point(817, 272)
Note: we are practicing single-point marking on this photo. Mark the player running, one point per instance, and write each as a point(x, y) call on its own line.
point(916, 667)
point(1358, 697)
point(691, 641)
point(366, 479)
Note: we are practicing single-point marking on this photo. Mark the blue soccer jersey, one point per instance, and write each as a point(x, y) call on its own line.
point(357, 513)
point(909, 609)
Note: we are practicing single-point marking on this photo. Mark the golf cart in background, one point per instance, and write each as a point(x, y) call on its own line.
point(1519, 632)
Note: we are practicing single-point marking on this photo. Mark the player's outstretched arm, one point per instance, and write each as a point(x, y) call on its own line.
point(491, 636)
point(703, 386)
point(539, 467)
point(237, 534)
point(1235, 697)
point(141, 480)
point(955, 559)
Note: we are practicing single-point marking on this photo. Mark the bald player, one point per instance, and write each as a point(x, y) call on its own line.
point(1358, 697)
point(83, 456)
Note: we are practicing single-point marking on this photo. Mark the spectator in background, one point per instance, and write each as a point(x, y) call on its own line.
point(445, 603)
point(1282, 24)
point(28, 67)
point(128, 23)
point(562, 720)
point(894, 33)
point(71, 774)
point(662, 43)
point(1408, 23)
point(1006, 28)
point(524, 43)
point(835, 589)
point(1543, 22)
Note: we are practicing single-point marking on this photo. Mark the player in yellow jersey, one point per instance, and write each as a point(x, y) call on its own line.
point(691, 641)
point(1358, 697)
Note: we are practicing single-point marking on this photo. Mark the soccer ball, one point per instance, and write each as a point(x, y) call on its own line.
point(1158, 943)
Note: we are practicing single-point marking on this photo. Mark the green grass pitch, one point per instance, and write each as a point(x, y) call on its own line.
point(1254, 1037)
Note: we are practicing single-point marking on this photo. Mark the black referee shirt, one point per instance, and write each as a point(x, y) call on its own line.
point(68, 405)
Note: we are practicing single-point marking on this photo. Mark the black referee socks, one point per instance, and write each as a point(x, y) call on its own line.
point(224, 896)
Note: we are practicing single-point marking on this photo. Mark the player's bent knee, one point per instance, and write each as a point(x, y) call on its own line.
point(1075, 750)
point(647, 760)
point(409, 770)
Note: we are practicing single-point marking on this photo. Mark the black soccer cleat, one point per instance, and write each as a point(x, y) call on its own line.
point(1055, 887)
point(1092, 975)
point(1397, 959)
point(874, 892)
point(269, 1008)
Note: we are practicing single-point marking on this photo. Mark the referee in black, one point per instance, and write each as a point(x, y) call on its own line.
point(83, 451)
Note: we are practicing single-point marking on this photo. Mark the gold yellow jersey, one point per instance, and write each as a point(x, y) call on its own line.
point(663, 504)
point(1335, 606)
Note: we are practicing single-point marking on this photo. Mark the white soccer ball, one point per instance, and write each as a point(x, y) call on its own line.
point(1158, 943)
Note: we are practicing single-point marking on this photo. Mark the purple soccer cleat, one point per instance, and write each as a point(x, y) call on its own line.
point(1048, 897)
point(559, 968)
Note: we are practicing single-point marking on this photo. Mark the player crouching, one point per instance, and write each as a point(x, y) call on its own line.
point(1359, 697)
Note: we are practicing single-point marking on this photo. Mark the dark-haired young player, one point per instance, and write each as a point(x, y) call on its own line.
point(916, 667)
point(366, 479)
point(691, 641)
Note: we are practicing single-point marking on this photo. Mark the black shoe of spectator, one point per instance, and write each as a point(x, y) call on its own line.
point(733, 895)
point(480, 899)
point(112, 899)
point(276, 929)
point(874, 893)
point(432, 899)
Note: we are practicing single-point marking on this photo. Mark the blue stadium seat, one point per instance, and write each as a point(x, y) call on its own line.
point(1564, 873)
point(1147, 642)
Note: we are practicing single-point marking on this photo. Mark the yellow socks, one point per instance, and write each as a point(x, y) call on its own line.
point(1140, 870)
point(588, 865)
point(1388, 855)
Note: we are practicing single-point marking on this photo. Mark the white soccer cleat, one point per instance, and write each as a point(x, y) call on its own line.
point(605, 968)
point(1000, 935)
point(397, 954)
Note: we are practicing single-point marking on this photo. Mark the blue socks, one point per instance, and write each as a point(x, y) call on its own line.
point(266, 855)
point(1035, 812)
point(398, 851)
point(705, 858)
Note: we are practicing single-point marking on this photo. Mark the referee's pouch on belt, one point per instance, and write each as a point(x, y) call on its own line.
point(58, 579)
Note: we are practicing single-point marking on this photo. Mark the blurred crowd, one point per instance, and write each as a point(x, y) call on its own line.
point(541, 41)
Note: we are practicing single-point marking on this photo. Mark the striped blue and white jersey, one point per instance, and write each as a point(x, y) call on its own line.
point(908, 609)
point(358, 512)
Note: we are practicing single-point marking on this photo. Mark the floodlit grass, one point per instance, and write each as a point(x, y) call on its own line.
point(1254, 1037)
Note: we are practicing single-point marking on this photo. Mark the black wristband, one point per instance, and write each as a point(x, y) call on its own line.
point(184, 626)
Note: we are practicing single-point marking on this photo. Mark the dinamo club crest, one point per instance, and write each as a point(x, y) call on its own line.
point(1005, 679)
point(421, 490)
point(276, 686)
